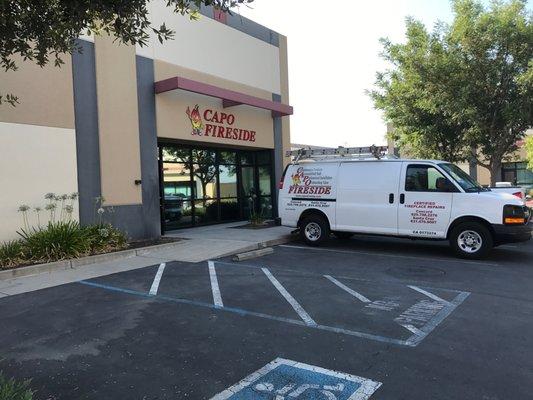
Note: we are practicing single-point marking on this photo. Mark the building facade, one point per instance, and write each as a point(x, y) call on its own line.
point(189, 132)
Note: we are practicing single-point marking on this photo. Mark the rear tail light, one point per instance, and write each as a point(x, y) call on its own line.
point(280, 184)
point(518, 194)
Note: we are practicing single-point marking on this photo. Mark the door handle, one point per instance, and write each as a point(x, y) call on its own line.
point(402, 198)
point(391, 198)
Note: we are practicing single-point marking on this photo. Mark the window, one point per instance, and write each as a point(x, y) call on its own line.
point(518, 174)
point(425, 178)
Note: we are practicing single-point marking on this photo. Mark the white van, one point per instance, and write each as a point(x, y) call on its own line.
point(425, 199)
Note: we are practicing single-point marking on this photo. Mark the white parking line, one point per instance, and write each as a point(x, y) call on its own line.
point(347, 289)
point(292, 301)
point(157, 279)
point(367, 253)
point(428, 294)
point(217, 298)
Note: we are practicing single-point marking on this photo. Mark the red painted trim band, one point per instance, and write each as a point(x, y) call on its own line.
point(229, 97)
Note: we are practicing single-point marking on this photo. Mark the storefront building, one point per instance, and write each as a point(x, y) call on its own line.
point(180, 134)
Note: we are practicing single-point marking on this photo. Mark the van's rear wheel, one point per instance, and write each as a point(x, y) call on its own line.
point(314, 230)
point(471, 240)
point(343, 235)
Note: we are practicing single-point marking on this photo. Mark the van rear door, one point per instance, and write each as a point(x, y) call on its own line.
point(367, 197)
point(426, 197)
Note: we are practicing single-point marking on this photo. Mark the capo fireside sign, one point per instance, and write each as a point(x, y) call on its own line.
point(215, 124)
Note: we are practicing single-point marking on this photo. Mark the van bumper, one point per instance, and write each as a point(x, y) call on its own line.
point(511, 233)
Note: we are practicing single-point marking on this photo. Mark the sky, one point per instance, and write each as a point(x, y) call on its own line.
point(334, 51)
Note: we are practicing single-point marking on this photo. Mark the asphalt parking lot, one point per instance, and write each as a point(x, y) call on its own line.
point(356, 319)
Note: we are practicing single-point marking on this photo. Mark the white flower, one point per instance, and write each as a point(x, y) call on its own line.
point(100, 211)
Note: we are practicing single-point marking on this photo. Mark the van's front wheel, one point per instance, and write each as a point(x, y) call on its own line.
point(314, 230)
point(471, 240)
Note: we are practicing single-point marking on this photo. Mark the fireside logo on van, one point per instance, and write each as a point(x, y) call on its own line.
point(310, 181)
point(217, 124)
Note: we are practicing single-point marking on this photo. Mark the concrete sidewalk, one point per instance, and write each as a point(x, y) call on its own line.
point(198, 244)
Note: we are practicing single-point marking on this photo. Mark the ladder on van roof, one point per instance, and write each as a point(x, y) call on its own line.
point(340, 152)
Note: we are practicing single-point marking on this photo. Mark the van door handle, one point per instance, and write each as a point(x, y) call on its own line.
point(391, 198)
point(402, 198)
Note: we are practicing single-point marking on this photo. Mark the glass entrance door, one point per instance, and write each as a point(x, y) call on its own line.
point(201, 186)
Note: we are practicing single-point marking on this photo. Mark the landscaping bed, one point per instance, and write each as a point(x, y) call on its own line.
point(67, 240)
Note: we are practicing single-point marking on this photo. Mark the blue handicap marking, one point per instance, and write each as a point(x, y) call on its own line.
point(285, 380)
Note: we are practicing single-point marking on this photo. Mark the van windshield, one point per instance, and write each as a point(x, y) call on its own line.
point(462, 178)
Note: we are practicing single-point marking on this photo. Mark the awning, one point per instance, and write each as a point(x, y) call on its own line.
point(229, 98)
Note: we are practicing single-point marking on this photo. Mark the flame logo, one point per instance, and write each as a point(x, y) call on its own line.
point(298, 176)
point(196, 120)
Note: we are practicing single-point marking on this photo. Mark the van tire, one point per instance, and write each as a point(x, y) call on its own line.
point(471, 240)
point(343, 235)
point(314, 230)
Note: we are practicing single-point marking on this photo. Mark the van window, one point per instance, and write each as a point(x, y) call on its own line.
point(425, 178)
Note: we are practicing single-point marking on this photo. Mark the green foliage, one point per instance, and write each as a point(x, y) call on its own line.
point(43, 30)
point(463, 90)
point(529, 152)
point(105, 237)
point(13, 390)
point(11, 253)
point(57, 241)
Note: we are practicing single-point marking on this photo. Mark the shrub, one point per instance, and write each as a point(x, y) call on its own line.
point(11, 253)
point(105, 237)
point(59, 240)
point(13, 390)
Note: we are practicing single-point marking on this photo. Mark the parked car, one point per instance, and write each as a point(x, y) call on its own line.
point(425, 199)
point(508, 187)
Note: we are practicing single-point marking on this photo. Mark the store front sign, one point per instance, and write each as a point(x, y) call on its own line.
point(217, 124)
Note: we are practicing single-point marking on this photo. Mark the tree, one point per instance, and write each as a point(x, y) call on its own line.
point(465, 89)
point(529, 152)
point(40, 30)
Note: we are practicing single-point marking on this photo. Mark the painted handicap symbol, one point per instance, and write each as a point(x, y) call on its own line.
point(289, 380)
point(326, 390)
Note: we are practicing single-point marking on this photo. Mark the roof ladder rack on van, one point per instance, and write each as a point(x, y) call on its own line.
point(340, 152)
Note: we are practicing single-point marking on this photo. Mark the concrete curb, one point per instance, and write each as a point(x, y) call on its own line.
point(80, 262)
point(119, 255)
point(261, 245)
point(253, 254)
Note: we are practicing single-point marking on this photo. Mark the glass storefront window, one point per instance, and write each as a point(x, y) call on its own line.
point(265, 182)
point(205, 212)
point(265, 206)
point(204, 156)
point(263, 157)
point(518, 174)
point(229, 210)
point(177, 190)
point(204, 185)
point(227, 157)
point(175, 154)
point(228, 180)
point(247, 158)
point(248, 181)
point(204, 181)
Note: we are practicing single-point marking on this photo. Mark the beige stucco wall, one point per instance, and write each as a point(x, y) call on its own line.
point(118, 123)
point(284, 79)
point(214, 48)
point(45, 94)
point(35, 160)
point(173, 122)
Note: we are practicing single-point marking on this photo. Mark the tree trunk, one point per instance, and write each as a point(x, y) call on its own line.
point(495, 171)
